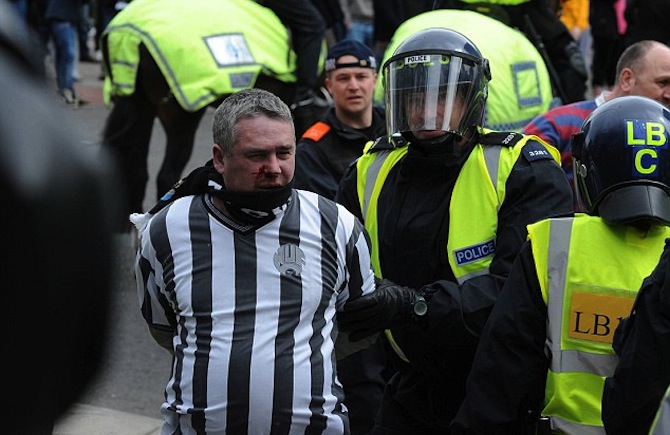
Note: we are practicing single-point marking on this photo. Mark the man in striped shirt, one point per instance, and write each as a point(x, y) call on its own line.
point(242, 284)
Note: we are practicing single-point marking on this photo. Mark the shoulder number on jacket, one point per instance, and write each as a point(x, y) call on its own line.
point(533, 150)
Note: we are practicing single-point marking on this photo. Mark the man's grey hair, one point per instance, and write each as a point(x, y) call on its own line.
point(248, 103)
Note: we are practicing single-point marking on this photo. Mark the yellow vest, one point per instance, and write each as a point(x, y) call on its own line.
point(204, 48)
point(520, 87)
point(589, 273)
point(479, 191)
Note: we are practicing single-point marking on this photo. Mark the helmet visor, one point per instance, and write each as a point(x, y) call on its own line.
point(431, 93)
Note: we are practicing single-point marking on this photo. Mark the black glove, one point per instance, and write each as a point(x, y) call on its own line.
point(389, 305)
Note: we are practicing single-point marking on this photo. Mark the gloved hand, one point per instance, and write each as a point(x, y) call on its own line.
point(389, 305)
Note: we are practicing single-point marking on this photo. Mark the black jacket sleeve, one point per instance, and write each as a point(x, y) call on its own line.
point(505, 388)
point(632, 395)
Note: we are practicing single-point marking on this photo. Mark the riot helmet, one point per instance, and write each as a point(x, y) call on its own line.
point(622, 161)
point(435, 87)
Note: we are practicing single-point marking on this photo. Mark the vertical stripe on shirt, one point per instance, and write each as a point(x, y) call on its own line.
point(201, 301)
point(328, 213)
point(243, 333)
point(290, 288)
point(160, 240)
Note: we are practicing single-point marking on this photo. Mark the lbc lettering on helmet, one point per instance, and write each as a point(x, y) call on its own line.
point(622, 161)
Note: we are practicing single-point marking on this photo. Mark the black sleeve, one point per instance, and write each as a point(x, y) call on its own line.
point(308, 28)
point(388, 15)
point(536, 189)
point(347, 192)
point(632, 395)
point(505, 388)
point(312, 172)
point(301, 16)
point(331, 11)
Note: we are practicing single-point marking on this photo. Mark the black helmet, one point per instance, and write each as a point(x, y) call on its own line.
point(622, 161)
point(436, 80)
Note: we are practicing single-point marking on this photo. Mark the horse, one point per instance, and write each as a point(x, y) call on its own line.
point(171, 60)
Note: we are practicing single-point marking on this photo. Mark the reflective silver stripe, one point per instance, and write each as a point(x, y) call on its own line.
point(576, 361)
point(557, 262)
point(570, 427)
point(492, 163)
point(661, 424)
point(464, 278)
point(371, 179)
point(492, 159)
point(563, 361)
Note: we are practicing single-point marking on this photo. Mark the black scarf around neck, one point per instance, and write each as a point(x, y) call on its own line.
point(252, 208)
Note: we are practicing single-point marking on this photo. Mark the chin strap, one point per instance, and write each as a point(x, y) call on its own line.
point(450, 146)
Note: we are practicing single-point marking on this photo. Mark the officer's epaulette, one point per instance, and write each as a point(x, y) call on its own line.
point(316, 132)
point(385, 143)
point(504, 138)
point(533, 150)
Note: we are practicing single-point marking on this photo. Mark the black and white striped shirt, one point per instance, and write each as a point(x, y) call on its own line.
point(253, 312)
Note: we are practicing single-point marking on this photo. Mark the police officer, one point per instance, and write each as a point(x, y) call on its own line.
point(446, 204)
point(547, 345)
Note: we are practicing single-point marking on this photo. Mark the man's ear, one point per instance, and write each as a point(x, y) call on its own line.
point(328, 84)
point(217, 158)
point(626, 79)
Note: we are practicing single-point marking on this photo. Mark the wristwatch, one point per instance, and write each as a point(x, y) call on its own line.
point(419, 305)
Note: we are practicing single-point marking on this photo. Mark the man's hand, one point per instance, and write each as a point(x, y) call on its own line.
point(389, 305)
